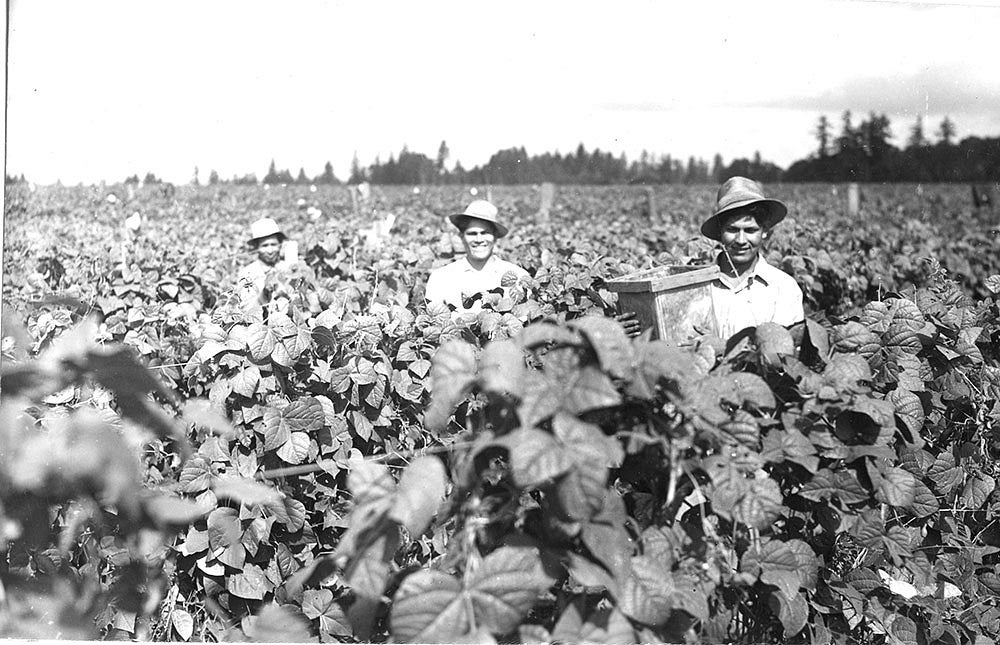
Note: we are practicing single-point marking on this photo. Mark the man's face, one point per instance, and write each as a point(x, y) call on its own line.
point(742, 237)
point(269, 250)
point(479, 238)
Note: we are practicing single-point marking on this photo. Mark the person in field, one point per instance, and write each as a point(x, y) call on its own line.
point(265, 238)
point(750, 291)
point(480, 270)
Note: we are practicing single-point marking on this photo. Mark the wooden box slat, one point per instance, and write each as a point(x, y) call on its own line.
point(671, 299)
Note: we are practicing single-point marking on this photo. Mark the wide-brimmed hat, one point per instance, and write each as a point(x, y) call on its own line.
point(738, 192)
point(480, 209)
point(263, 228)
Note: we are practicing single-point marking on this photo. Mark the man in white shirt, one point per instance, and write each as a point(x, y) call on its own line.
point(480, 270)
point(750, 291)
point(265, 238)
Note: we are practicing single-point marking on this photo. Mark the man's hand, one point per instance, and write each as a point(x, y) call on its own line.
point(629, 323)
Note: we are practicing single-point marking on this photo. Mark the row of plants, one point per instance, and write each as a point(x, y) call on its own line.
point(351, 464)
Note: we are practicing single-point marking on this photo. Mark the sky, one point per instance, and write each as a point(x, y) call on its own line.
point(103, 89)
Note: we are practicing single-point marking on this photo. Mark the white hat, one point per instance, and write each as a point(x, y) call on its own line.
point(479, 209)
point(262, 228)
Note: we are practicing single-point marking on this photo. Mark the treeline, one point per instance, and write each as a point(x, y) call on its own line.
point(863, 152)
point(516, 166)
point(858, 152)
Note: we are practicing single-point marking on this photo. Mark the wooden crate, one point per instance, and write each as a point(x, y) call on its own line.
point(670, 299)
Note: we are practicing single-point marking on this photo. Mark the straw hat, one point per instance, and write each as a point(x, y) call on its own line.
point(738, 192)
point(262, 228)
point(480, 209)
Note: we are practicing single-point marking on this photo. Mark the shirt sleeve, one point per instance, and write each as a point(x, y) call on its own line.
point(789, 310)
point(434, 291)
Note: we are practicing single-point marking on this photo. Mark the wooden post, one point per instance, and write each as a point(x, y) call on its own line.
point(650, 203)
point(548, 196)
point(853, 200)
point(354, 199)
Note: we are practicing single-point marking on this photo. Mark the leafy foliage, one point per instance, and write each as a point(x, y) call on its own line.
point(345, 463)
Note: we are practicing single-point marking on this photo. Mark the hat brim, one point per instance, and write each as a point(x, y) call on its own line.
point(254, 241)
point(458, 218)
point(776, 211)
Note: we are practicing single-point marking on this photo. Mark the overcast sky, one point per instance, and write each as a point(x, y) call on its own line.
point(100, 89)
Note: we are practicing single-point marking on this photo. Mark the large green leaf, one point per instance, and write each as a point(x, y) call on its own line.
point(245, 381)
point(613, 348)
point(646, 593)
point(224, 528)
point(606, 538)
point(249, 583)
point(501, 368)
point(945, 474)
point(776, 564)
point(977, 489)
point(606, 625)
point(841, 484)
point(792, 612)
point(279, 624)
point(303, 415)
point(453, 372)
point(261, 341)
point(896, 487)
point(536, 457)
point(506, 586)
point(429, 607)
point(421, 490)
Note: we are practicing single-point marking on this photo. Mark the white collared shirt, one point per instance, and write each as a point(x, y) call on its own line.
point(452, 282)
point(765, 294)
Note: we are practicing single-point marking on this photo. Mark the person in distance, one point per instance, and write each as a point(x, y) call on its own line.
point(266, 239)
point(480, 271)
point(750, 291)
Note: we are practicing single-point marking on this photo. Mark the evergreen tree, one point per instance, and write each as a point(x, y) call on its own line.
point(302, 179)
point(327, 178)
point(442, 158)
point(917, 138)
point(946, 131)
point(358, 174)
point(213, 178)
point(823, 136)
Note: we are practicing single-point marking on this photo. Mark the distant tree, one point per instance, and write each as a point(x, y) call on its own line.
point(151, 179)
point(327, 178)
point(246, 180)
point(134, 180)
point(946, 131)
point(358, 174)
point(848, 139)
point(917, 138)
point(718, 169)
point(274, 176)
point(875, 133)
point(302, 179)
point(442, 158)
point(213, 178)
point(194, 180)
point(823, 136)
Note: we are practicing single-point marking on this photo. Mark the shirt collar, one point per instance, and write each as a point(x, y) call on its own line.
point(762, 271)
point(468, 268)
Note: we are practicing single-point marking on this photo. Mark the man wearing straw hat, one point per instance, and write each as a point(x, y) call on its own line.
point(265, 238)
point(750, 291)
point(480, 270)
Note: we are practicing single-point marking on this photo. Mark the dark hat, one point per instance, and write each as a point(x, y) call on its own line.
point(479, 209)
point(738, 192)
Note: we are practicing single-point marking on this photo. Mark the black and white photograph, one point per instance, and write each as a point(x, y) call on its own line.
point(526, 322)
